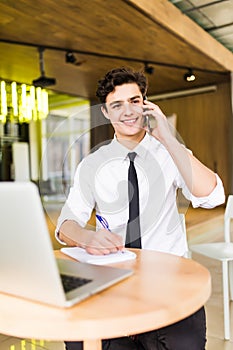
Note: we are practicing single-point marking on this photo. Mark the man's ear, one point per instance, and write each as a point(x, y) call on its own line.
point(104, 111)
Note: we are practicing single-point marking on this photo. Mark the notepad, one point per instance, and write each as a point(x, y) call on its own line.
point(80, 254)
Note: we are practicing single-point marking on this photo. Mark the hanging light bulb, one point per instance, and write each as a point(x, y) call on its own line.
point(3, 102)
point(14, 97)
point(25, 102)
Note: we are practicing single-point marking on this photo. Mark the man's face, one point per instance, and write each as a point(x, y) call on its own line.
point(124, 109)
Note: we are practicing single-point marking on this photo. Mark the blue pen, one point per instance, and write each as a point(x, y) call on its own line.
point(103, 222)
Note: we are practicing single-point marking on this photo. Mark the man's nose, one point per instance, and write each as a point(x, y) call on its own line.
point(128, 108)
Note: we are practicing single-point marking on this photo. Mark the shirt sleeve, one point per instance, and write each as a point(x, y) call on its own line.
point(80, 202)
point(215, 198)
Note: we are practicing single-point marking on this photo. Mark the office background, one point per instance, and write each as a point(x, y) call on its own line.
point(73, 43)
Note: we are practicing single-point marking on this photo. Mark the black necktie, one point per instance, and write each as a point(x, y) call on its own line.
point(133, 234)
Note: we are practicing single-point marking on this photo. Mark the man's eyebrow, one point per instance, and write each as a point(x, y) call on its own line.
point(134, 97)
point(113, 102)
point(120, 101)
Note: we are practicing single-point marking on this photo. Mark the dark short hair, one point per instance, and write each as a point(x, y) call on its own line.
point(120, 76)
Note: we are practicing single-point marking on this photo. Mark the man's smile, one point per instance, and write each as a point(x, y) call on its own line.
point(130, 121)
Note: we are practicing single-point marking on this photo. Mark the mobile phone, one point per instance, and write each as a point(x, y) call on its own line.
point(146, 122)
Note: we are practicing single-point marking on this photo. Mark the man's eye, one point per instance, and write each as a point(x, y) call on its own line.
point(116, 106)
point(136, 101)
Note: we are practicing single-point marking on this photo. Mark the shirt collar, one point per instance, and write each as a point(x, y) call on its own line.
point(141, 149)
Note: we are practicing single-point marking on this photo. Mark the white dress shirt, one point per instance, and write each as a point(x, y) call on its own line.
point(101, 183)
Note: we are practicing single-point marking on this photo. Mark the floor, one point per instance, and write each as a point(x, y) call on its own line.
point(202, 226)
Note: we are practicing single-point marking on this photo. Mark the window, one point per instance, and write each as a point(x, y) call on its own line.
point(65, 142)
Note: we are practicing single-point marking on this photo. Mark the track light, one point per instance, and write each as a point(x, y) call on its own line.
point(70, 58)
point(43, 81)
point(148, 69)
point(189, 76)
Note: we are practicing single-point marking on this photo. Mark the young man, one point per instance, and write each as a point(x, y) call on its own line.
point(162, 165)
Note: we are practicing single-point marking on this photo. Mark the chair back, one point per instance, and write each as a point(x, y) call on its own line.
point(183, 225)
point(182, 220)
point(228, 215)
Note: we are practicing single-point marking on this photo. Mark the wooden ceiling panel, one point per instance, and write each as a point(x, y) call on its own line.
point(111, 27)
point(114, 27)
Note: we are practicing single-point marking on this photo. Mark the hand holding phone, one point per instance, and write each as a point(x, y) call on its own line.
point(147, 120)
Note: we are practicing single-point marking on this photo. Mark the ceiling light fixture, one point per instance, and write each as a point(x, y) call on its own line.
point(182, 93)
point(70, 58)
point(43, 81)
point(148, 69)
point(22, 103)
point(114, 57)
point(189, 76)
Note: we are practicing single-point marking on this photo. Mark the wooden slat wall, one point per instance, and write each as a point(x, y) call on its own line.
point(204, 122)
point(101, 129)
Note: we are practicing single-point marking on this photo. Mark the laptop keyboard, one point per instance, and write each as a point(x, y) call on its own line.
point(71, 282)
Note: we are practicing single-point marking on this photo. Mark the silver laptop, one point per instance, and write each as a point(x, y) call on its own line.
point(28, 267)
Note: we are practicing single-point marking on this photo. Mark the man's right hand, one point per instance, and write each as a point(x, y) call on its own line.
point(103, 242)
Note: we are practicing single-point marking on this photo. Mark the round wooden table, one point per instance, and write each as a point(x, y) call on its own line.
point(163, 289)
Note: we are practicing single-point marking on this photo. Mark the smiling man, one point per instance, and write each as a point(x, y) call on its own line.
point(124, 108)
point(163, 165)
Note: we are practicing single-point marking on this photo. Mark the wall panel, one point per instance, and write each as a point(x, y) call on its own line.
point(204, 122)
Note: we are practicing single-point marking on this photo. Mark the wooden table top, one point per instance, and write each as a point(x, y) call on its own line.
point(163, 289)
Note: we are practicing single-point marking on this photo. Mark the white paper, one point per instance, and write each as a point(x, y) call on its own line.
point(81, 255)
